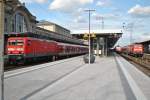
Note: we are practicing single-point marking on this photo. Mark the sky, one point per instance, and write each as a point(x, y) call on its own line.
point(131, 16)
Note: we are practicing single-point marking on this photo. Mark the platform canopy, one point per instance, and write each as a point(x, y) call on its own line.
point(112, 35)
point(99, 32)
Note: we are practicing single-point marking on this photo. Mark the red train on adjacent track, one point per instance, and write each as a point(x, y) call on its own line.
point(25, 49)
point(133, 49)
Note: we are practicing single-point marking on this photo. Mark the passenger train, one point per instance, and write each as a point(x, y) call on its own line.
point(25, 49)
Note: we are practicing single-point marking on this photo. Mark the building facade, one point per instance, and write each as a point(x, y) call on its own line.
point(18, 18)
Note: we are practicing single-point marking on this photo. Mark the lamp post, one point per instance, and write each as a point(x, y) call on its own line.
point(89, 11)
point(1, 49)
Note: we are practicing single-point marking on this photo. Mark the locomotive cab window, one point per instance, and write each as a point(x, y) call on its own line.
point(15, 42)
point(12, 43)
point(19, 43)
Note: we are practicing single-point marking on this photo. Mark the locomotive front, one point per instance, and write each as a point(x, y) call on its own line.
point(15, 49)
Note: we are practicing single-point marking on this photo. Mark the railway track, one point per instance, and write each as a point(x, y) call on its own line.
point(142, 63)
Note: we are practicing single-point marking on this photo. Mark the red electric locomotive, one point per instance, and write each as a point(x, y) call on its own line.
point(134, 50)
point(21, 49)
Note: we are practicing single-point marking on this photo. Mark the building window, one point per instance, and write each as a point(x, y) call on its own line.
point(149, 48)
point(5, 25)
point(19, 23)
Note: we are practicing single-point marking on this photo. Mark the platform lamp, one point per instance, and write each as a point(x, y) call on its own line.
point(89, 11)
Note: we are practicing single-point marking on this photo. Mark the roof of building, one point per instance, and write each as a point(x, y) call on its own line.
point(144, 41)
point(105, 31)
point(20, 6)
point(44, 22)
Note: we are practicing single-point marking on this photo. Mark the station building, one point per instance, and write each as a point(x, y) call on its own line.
point(18, 19)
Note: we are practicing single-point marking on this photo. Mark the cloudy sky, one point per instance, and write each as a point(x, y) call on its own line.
point(134, 15)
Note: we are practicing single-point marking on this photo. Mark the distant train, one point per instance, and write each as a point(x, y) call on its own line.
point(25, 49)
point(134, 50)
point(118, 49)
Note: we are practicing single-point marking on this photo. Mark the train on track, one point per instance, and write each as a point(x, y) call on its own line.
point(27, 49)
point(136, 50)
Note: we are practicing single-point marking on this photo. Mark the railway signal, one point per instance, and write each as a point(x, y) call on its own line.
point(85, 36)
point(93, 35)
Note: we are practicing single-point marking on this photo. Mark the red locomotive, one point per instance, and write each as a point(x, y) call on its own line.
point(134, 50)
point(24, 49)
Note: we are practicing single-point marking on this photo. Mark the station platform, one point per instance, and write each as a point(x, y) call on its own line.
point(109, 78)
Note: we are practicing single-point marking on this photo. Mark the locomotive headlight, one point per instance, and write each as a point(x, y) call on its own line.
point(20, 49)
point(11, 49)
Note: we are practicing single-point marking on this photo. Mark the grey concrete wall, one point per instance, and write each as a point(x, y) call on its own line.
point(1, 46)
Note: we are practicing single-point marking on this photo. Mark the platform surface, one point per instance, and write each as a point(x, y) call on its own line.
point(141, 80)
point(24, 82)
point(74, 80)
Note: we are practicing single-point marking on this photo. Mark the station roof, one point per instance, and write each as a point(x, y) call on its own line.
point(144, 41)
point(102, 32)
point(112, 35)
point(46, 34)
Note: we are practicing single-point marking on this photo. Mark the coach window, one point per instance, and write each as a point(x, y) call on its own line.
point(13, 25)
